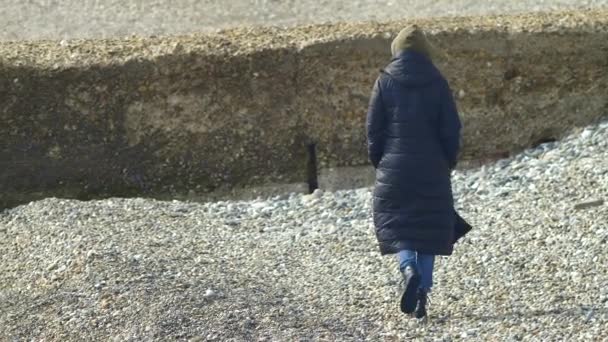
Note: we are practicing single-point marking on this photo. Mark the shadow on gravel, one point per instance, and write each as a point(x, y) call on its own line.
point(585, 313)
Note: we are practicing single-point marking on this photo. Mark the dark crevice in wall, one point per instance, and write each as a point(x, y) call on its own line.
point(296, 74)
point(544, 140)
point(313, 182)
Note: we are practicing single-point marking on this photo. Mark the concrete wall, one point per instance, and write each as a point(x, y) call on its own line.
point(188, 115)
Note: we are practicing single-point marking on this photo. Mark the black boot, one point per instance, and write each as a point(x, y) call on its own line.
point(411, 279)
point(422, 300)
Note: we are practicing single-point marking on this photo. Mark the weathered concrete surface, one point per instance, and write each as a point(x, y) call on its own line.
point(193, 114)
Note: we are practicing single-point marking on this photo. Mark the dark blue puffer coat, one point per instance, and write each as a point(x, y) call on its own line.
point(413, 131)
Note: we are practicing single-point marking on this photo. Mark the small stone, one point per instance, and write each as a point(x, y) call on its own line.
point(90, 254)
point(318, 193)
point(209, 293)
point(586, 134)
point(53, 265)
point(589, 204)
point(249, 323)
point(105, 304)
point(589, 316)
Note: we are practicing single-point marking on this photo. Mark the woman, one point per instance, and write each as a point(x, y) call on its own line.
point(413, 132)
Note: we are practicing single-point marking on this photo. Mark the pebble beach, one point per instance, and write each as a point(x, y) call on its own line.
point(70, 19)
point(301, 267)
point(306, 267)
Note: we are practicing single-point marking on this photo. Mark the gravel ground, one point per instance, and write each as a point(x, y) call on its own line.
point(306, 267)
point(303, 267)
point(61, 19)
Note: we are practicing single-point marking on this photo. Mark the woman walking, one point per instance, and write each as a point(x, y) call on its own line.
point(413, 132)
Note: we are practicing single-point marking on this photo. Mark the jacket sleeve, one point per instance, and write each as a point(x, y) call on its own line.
point(376, 124)
point(449, 126)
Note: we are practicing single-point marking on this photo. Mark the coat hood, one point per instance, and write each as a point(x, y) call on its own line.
point(411, 69)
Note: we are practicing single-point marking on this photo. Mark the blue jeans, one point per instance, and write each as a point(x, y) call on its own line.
point(423, 262)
